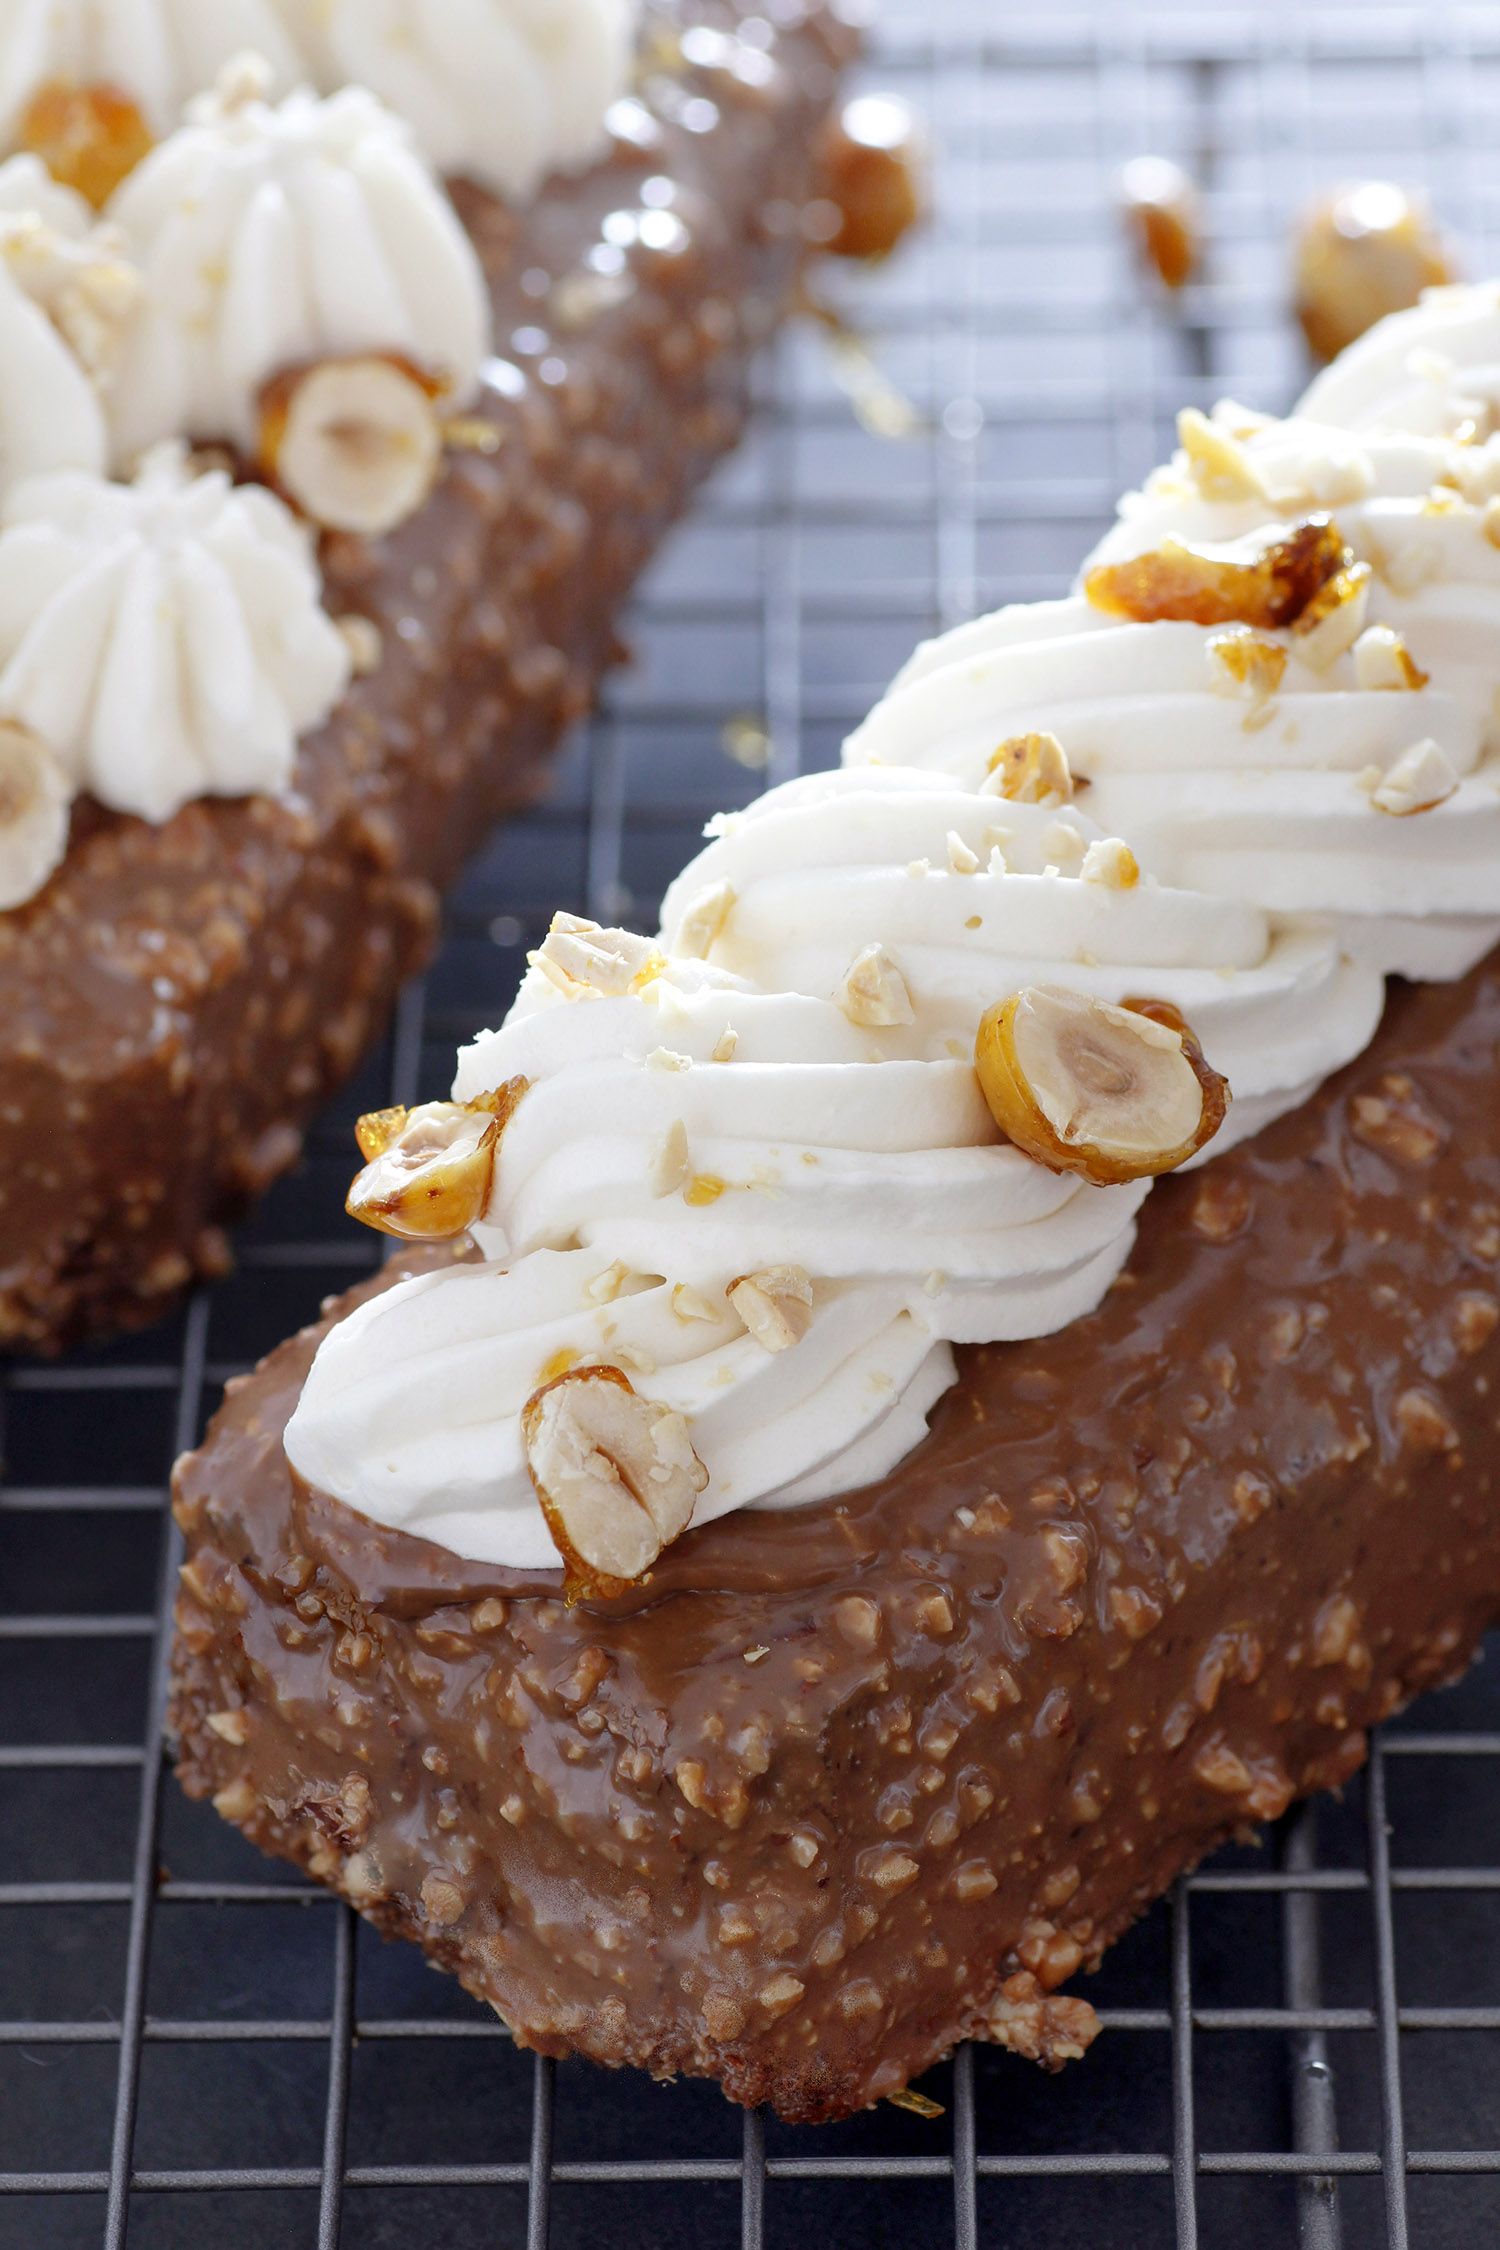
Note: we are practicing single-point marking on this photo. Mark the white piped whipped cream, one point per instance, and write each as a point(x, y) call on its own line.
point(1272, 796)
point(159, 52)
point(731, 1116)
point(498, 91)
point(1434, 370)
point(165, 639)
point(67, 299)
point(271, 237)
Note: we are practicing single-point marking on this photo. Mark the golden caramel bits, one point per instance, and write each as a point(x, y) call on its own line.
point(1031, 769)
point(1368, 249)
point(355, 444)
point(1335, 617)
point(1208, 585)
point(89, 137)
point(1159, 205)
point(616, 1476)
point(429, 1171)
point(873, 168)
point(1113, 1094)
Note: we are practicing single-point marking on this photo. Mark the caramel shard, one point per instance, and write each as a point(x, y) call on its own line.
point(1113, 1094)
point(356, 444)
point(429, 1171)
point(89, 137)
point(1031, 769)
point(616, 1476)
point(1269, 586)
point(1242, 662)
point(776, 1305)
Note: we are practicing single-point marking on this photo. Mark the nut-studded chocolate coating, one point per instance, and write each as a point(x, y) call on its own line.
point(179, 999)
point(836, 1789)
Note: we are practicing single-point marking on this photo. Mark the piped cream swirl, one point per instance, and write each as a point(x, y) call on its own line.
point(731, 1116)
point(159, 52)
point(1272, 797)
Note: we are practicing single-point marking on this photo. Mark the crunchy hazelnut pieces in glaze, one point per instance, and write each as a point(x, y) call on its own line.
point(1113, 1094)
point(428, 1171)
point(1031, 769)
point(1368, 249)
point(1237, 584)
point(874, 993)
point(35, 811)
point(1383, 660)
point(1421, 779)
point(776, 1305)
point(356, 444)
point(1160, 207)
point(89, 137)
point(1242, 662)
point(616, 1476)
point(873, 164)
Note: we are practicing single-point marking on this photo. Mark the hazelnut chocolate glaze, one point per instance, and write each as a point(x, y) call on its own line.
point(179, 999)
point(806, 1810)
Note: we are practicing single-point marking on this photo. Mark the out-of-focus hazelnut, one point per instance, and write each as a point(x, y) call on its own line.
point(1159, 204)
point(1368, 249)
point(89, 137)
point(356, 444)
point(874, 165)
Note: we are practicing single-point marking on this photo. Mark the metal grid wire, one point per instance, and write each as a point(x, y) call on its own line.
point(196, 2047)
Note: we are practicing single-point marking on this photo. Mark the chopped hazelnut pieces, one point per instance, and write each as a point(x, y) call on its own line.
point(1160, 206)
point(1113, 1094)
point(1335, 617)
point(35, 808)
point(1422, 778)
point(1382, 660)
point(89, 137)
point(356, 444)
point(1369, 249)
point(616, 1476)
point(776, 1305)
point(1030, 769)
point(1112, 864)
point(1268, 586)
point(585, 961)
point(874, 992)
point(429, 1171)
point(873, 163)
point(1217, 461)
point(703, 923)
point(1241, 662)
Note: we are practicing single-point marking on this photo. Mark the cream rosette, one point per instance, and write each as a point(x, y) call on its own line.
point(753, 1099)
point(1343, 775)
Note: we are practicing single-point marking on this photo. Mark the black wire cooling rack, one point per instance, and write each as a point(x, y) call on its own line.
point(1302, 2047)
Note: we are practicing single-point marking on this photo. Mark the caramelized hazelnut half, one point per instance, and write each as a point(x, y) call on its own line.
point(89, 137)
point(429, 1171)
point(1160, 207)
point(776, 1305)
point(1113, 1094)
point(873, 166)
point(356, 444)
point(616, 1476)
point(1369, 249)
point(35, 806)
point(1267, 586)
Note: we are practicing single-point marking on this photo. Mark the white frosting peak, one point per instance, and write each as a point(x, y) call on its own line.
point(271, 237)
point(1432, 370)
point(732, 1116)
point(499, 91)
point(159, 52)
point(67, 298)
point(164, 638)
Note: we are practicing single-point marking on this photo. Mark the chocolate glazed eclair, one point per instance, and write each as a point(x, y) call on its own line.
point(834, 1792)
point(179, 1000)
